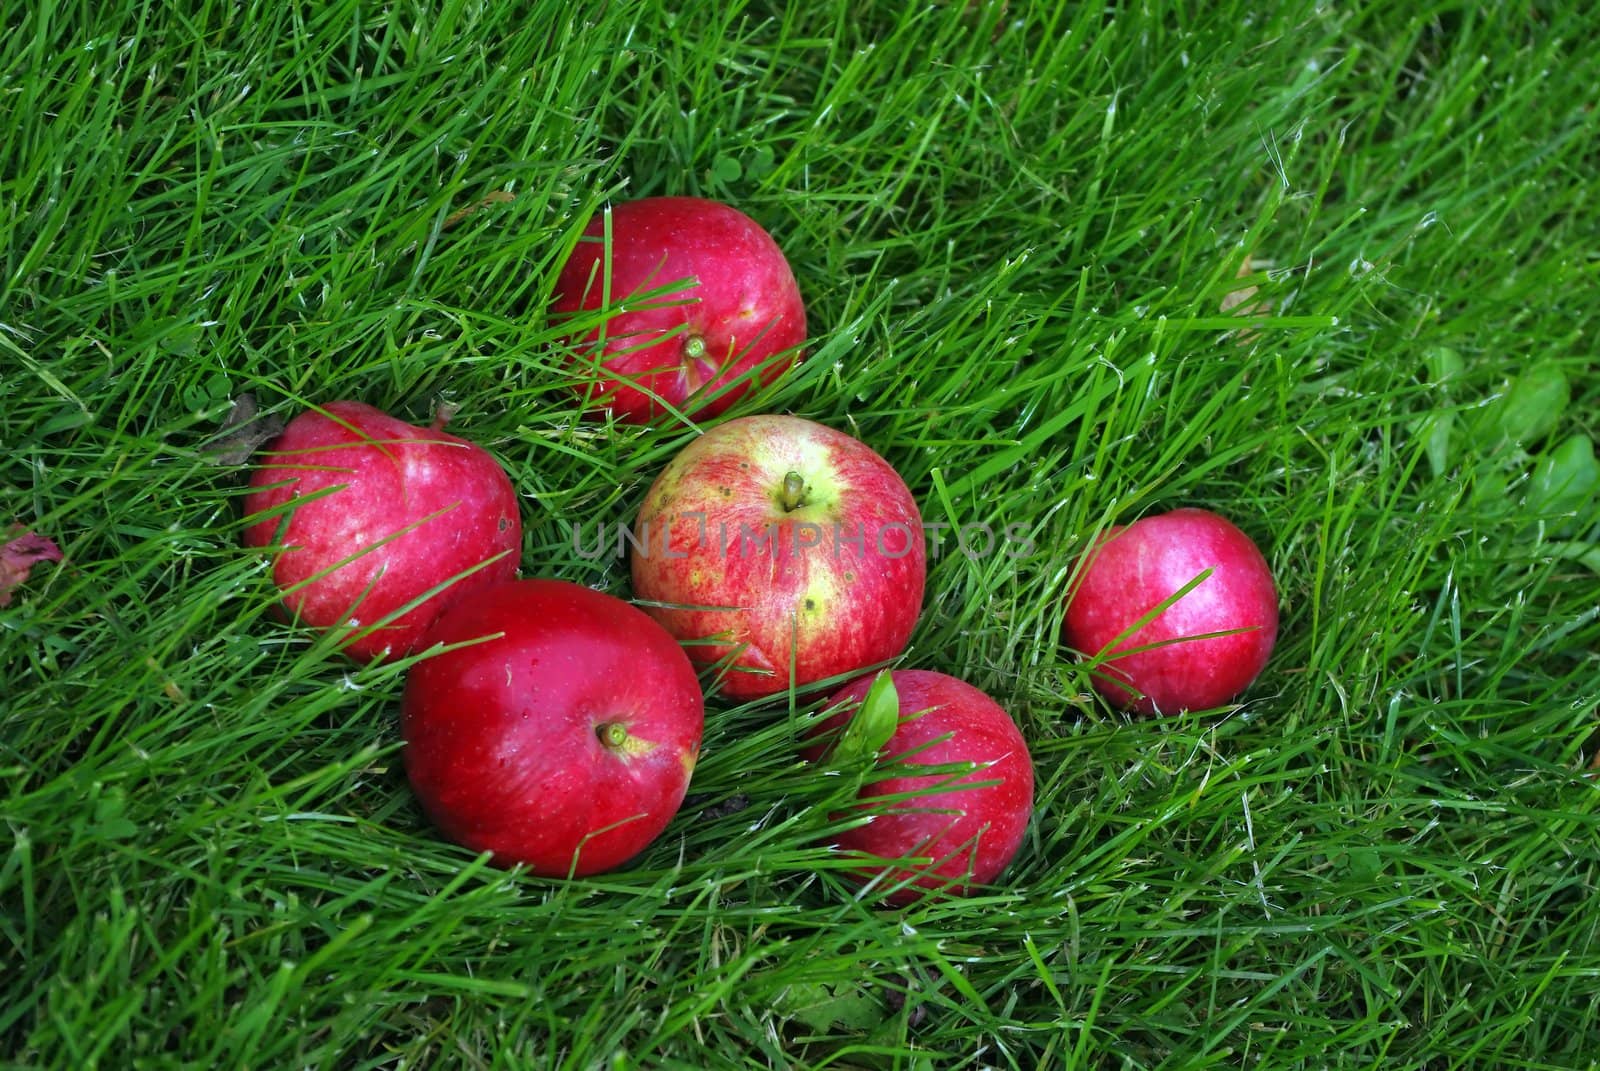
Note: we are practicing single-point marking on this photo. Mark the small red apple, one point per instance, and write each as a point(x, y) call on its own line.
point(737, 315)
point(789, 547)
point(560, 734)
point(963, 836)
point(373, 514)
point(1177, 660)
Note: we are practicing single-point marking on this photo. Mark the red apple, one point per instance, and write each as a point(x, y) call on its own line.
point(1204, 648)
point(960, 836)
point(373, 514)
point(733, 312)
point(561, 735)
point(785, 546)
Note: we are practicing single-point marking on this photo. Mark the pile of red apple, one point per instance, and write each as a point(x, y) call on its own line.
point(557, 727)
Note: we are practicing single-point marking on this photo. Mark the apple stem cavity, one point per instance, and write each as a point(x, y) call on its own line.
point(615, 738)
point(613, 734)
point(698, 367)
point(794, 491)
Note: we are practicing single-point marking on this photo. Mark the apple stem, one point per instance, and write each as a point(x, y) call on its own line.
point(613, 734)
point(794, 491)
point(442, 414)
point(694, 347)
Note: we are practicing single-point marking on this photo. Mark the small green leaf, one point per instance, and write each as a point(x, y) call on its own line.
point(797, 996)
point(873, 725)
point(1365, 863)
point(180, 339)
point(116, 829)
point(1443, 363)
point(761, 162)
point(1532, 406)
point(217, 388)
point(1435, 430)
point(109, 805)
point(822, 1009)
point(1489, 490)
point(726, 169)
point(1566, 480)
point(1586, 554)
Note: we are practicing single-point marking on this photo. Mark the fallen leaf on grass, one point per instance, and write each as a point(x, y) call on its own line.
point(1239, 302)
point(827, 1009)
point(244, 429)
point(21, 553)
point(732, 805)
point(498, 197)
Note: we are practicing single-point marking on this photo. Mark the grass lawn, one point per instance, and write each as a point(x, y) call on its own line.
point(1024, 232)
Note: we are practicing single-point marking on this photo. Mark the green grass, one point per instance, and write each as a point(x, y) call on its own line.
point(1014, 225)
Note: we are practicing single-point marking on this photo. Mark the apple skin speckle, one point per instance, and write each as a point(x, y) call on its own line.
point(731, 575)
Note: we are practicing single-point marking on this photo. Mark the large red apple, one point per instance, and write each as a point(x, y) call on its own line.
point(373, 514)
point(731, 316)
point(1207, 645)
point(561, 734)
point(787, 547)
point(950, 830)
